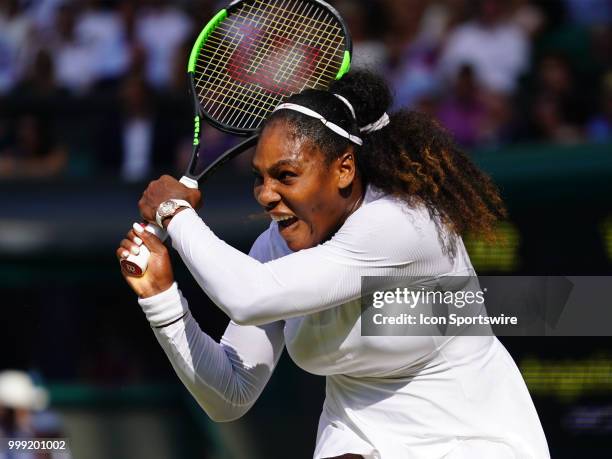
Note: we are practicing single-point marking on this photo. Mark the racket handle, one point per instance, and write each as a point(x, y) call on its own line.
point(136, 265)
point(189, 182)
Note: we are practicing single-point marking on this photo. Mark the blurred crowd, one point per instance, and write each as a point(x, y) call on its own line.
point(99, 86)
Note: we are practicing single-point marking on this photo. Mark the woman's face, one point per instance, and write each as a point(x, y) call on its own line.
point(309, 198)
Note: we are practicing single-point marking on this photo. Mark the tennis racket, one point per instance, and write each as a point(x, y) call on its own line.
point(247, 60)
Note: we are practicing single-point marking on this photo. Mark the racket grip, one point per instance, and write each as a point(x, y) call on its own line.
point(189, 182)
point(136, 265)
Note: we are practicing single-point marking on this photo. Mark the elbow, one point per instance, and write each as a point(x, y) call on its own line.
point(250, 319)
point(224, 417)
point(226, 413)
point(257, 310)
point(246, 314)
point(248, 306)
point(225, 409)
point(244, 319)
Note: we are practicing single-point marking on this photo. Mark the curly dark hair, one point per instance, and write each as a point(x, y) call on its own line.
point(413, 157)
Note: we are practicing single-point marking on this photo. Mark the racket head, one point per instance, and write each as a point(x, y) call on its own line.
point(255, 54)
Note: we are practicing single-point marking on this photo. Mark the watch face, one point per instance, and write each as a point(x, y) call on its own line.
point(167, 208)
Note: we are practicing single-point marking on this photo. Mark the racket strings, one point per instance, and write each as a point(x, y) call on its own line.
point(296, 59)
point(291, 22)
point(262, 50)
point(251, 94)
point(281, 30)
point(219, 94)
point(244, 101)
point(267, 8)
point(226, 93)
point(328, 34)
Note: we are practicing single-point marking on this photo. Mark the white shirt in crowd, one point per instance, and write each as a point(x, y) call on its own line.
point(498, 54)
point(162, 31)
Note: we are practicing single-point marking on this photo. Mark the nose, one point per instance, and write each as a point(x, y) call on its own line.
point(266, 195)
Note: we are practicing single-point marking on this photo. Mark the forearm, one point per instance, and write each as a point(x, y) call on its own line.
point(205, 369)
point(225, 380)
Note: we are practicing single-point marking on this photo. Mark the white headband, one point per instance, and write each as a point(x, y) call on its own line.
point(348, 104)
point(376, 125)
point(334, 127)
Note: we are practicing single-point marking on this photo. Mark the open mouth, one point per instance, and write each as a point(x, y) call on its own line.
point(287, 222)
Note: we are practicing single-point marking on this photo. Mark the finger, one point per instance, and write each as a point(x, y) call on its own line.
point(130, 246)
point(150, 240)
point(122, 253)
point(131, 235)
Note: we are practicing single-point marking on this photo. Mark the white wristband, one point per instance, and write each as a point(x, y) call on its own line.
point(165, 307)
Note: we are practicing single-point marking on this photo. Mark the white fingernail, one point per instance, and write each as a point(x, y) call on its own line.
point(125, 254)
point(135, 250)
point(137, 241)
point(138, 228)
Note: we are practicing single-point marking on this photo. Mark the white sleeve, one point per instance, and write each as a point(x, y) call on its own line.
point(225, 378)
point(378, 242)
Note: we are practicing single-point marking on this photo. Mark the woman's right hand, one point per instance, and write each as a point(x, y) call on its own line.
point(158, 276)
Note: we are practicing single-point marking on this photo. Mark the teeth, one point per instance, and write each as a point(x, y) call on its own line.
point(282, 218)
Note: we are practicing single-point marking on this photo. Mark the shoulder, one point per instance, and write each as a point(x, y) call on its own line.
point(386, 227)
point(387, 213)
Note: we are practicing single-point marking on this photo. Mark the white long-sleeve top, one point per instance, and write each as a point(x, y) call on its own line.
point(387, 397)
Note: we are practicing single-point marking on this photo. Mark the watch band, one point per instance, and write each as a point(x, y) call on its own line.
point(159, 217)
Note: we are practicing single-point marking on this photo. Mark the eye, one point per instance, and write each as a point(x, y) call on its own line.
point(286, 176)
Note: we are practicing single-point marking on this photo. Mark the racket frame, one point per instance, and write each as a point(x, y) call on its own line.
point(200, 113)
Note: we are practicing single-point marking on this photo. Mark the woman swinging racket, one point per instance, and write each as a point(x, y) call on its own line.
point(351, 192)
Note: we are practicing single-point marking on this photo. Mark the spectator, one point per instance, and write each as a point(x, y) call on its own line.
point(556, 79)
point(74, 61)
point(133, 142)
point(39, 79)
point(161, 29)
point(557, 108)
point(599, 128)
point(102, 30)
point(528, 17)
point(18, 398)
point(43, 13)
point(412, 53)
point(494, 46)
point(550, 124)
point(463, 113)
point(15, 28)
point(33, 151)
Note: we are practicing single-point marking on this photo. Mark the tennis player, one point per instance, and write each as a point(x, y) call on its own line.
point(352, 192)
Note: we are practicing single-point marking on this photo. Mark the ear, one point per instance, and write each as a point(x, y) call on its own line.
point(346, 168)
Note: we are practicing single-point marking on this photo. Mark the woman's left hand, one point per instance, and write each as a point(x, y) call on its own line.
point(161, 190)
point(159, 277)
